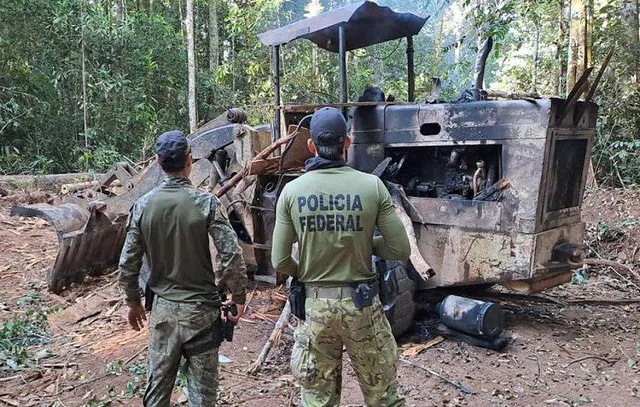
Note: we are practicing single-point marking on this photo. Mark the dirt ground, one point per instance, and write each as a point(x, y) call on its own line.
point(566, 349)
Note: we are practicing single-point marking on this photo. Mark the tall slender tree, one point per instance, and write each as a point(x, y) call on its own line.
point(191, 67)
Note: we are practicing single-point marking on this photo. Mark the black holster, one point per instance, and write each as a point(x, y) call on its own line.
point(206, 341)
point(297, 297)
point(363, 294)
point(149, 295)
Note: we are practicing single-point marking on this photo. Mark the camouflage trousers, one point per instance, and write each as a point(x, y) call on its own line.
point(316, 360)
point(171, 325)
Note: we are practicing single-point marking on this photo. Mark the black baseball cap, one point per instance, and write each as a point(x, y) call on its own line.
point(328, 127)
point(172, 149)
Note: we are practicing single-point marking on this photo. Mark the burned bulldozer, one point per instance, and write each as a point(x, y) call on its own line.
point(490, 191)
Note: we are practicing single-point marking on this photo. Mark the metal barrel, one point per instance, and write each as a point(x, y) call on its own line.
point(474, 317)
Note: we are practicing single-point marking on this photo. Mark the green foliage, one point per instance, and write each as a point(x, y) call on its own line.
point(137, 83)
point(18, 335)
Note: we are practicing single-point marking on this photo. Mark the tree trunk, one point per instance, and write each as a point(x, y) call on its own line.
point(629, 15)
point(575, 13)
point(119, 9)
point(191, 62)
point(580, 43)
point(84, 78)
point(536, 56)
point(214, 38)
point(560, 73)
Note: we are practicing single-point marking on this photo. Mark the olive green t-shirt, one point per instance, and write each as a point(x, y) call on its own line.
point(332, 214)
point(171, 226)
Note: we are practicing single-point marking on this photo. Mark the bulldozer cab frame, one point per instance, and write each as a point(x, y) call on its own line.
point(341, 30)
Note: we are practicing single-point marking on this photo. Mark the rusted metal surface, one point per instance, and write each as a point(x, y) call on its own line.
point(365, 23)
point(91, 234)
point(464, 213)
point(296, 152)
point(467, 257)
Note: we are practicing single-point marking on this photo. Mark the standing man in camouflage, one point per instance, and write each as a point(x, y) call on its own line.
point(171, 226)
point(332, 211)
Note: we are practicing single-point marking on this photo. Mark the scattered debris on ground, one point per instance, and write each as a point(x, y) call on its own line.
point(574, 345)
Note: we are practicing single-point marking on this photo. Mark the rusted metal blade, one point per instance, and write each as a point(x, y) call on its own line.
point(88, 241)
point(86, 253)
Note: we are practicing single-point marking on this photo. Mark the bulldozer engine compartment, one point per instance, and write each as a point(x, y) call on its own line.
point(445, 172)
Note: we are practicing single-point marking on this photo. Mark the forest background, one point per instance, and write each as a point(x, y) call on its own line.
point(84, 83)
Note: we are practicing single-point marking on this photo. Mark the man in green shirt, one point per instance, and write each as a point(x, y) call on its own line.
point(332, 212)
point(170, 226)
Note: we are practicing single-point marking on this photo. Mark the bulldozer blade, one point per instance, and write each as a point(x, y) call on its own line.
point(88, 241)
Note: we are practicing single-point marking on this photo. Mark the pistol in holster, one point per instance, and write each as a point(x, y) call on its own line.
point(206, 341)
point(363, 294)
point(149, 295)
point(297, 298)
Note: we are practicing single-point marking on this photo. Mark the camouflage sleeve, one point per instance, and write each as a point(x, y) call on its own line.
point(284, 236)
point(131, 259)
point(394, 242)
point(231, 272)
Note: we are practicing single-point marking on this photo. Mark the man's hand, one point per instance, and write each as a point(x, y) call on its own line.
point(236, 318)
point(136, 316)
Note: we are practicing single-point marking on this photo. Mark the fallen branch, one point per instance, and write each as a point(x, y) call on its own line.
point(455, 384)
point(611, 362)
point(135, 355)
point(281, 324)
point(89, 381)
point(613, 264)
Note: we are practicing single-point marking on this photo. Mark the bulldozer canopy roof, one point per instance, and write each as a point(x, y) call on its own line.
point(366, 24)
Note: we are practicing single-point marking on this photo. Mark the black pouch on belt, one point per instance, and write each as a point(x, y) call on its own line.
point(364, 294)
point(207, 340)
point(296, 299)
point(148, 298)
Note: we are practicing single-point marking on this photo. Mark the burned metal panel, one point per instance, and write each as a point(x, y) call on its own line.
point(544, 242)
point(367, 138)
point(578, 124)
point(466, 257)
point(365, 23)
point(487, 120)
point(464, 213)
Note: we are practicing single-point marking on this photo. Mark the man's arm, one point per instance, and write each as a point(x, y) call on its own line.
point(284, 236)
point(131, 260)
point(129, 266)
point(394, 242)
point(231, 272)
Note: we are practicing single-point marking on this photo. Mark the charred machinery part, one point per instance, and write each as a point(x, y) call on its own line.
point(569, 252)
point(479, 178)
point(91, 235)
point(497, 344)
point(382, 167)
point(494, 192)
point(236, 116)
point(445, 171)
point(481, 63)
point(120, 171)
point(372, 94)
point(596, 81)
point(578, 89)
point(473, 317)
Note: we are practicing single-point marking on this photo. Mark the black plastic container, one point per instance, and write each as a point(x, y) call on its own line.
point(478, 318)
